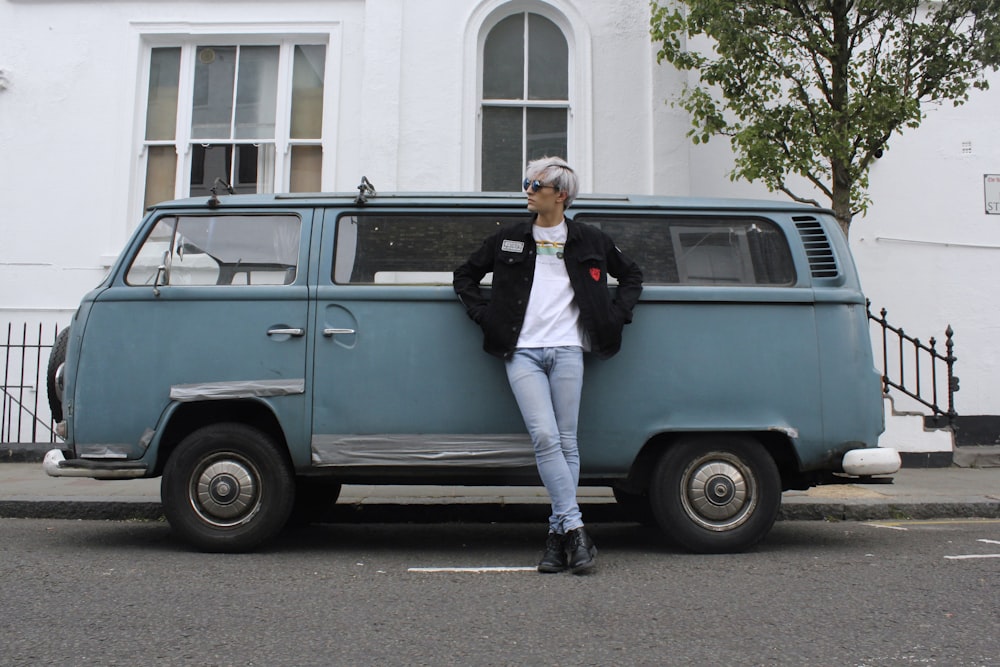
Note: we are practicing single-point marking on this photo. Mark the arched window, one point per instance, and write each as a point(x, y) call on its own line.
point(525, 98)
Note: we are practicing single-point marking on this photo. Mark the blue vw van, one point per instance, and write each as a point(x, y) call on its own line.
point(259, 351)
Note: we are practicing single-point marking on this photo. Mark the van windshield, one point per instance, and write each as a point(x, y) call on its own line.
point(219, 250)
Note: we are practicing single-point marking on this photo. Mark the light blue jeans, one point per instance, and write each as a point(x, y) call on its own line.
point(547, 383)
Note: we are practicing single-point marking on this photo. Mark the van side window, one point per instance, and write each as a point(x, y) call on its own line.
point(219, 250)
point(696, 250)
point(407, 248)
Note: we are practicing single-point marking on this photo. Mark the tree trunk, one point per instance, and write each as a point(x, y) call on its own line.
point(841, 199)
point(840, 104)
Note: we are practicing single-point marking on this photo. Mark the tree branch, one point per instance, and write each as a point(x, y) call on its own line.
point(801, 200)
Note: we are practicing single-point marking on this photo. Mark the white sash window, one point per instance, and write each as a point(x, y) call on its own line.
point(248, 114)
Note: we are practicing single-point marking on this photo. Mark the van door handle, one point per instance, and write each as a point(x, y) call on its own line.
point(287, 332)
point(330, 333)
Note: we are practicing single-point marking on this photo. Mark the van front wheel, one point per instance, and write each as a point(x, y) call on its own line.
point(716, 495)
point(227, 488)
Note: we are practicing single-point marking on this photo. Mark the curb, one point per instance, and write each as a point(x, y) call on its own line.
point(888, 511)
point(427, 513)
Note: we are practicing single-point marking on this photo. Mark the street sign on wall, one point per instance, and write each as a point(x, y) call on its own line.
point(991, 189)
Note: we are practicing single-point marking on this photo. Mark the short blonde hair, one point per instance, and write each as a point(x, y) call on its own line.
point(555, 171)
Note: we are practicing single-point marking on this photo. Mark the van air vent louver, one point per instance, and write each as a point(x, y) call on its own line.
point(822, 263)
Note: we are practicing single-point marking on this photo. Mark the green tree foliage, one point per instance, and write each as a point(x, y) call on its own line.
point(818, 88)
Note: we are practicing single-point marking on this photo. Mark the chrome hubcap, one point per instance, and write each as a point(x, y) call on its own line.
point(718, 491)
point(225, 492)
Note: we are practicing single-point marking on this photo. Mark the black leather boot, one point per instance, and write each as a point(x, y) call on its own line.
point(580, 551)
point(554, 558)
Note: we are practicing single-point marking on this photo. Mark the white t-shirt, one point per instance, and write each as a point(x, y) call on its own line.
point(552, 318)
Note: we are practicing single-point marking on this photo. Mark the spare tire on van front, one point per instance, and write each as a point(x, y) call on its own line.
point(53, 374)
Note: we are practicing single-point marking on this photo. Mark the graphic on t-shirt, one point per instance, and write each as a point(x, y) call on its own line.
point(549, 248)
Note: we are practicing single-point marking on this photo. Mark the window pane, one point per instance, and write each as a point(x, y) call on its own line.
point(207, 164)
point(212, 107)
point(245, 174)
point(161, 174)
point(252, 172)
point(546, 133)
point(712, 257)
point(256, 92)
point(220, 250)
point(155, 251)
point(161, 103)
point(306, 169)
point(307, 92)
point(407, 249)
point(702, 251)
point(503, 164)
point(548, 60)
point(503, 60)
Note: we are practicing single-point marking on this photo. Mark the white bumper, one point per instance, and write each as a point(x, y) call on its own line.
point(874, 461)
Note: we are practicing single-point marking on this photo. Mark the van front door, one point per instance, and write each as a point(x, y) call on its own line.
point(209, 308)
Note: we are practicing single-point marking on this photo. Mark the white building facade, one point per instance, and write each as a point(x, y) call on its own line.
point(106, 107)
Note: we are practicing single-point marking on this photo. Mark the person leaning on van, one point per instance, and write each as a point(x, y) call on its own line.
point(549, 303)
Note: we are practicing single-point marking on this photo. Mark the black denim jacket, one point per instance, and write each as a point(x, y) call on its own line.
point(590, 256)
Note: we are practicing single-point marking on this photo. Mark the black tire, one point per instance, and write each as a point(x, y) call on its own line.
point(716, 494)
point(314, 498)
point(53, 374)
point(227, 488)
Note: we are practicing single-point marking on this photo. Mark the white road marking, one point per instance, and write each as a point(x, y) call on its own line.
point(473, 570)
point(883, 525)
point(971, 556)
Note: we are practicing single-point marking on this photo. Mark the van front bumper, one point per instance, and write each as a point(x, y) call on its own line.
point(55, 464)
point(874, 461)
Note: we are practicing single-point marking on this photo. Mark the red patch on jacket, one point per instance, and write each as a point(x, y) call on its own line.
point(595, 273)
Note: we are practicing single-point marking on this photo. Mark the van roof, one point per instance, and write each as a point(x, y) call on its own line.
point(485, 200)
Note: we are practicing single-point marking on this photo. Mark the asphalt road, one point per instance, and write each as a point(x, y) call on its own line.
point(814, 593)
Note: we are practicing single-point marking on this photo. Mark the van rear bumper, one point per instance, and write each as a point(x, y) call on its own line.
point(55, 464)
point(874, 461)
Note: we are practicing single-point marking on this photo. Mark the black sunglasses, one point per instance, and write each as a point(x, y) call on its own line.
point(535, 185)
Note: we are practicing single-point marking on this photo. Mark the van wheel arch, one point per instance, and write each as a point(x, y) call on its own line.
point(777, 444)
point(190, 417)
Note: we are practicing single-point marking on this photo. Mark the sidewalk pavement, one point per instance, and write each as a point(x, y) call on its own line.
point(913, 493)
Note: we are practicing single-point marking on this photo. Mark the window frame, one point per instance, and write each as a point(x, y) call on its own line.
point(188, 38)
point(579, 142)
point(524, 103)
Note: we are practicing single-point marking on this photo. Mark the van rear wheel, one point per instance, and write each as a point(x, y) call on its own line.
point(716, 494)
point(227, 488)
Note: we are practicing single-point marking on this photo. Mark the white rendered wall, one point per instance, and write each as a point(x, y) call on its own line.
point(68, 122)
point(70, 82)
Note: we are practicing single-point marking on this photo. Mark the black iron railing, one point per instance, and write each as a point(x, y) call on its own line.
point(24, 414)
point(915, 369)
